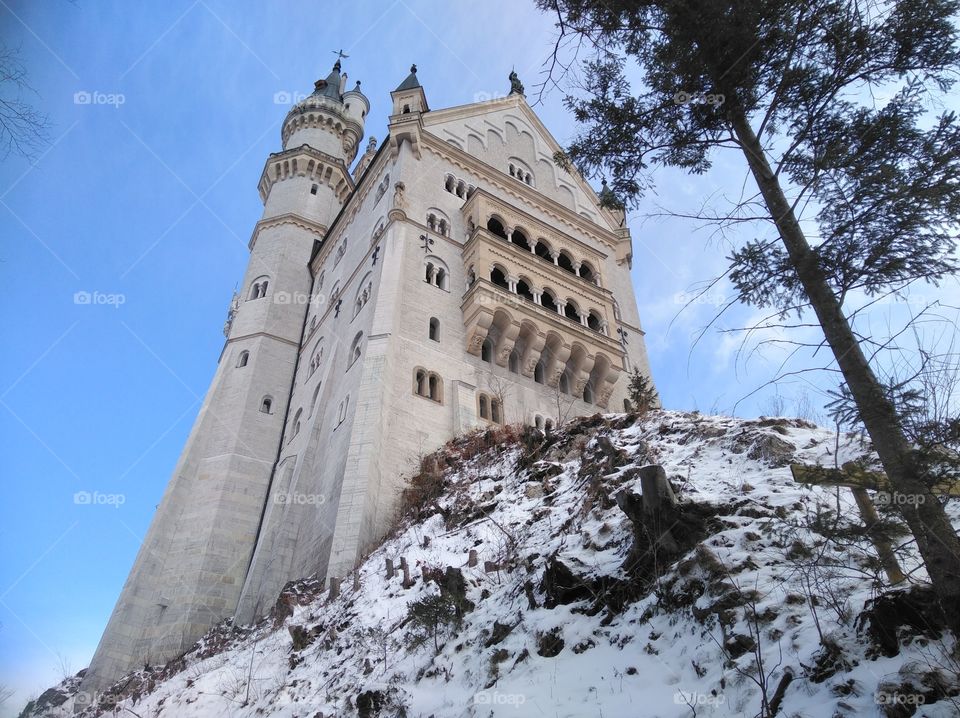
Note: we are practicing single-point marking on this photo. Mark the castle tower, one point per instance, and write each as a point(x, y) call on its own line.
point(191, 567)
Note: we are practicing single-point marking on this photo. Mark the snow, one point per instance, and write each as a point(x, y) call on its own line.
point(652, 658)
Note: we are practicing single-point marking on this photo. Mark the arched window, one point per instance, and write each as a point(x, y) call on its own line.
point(434, 330)
point(594, 322)
point(548, 301)
point(586, 271)
point(355, 349)
point(538, 422)
point(313, 401)
point(484, 407)
point(564, 384)
point(495, 412)
point(341, 250)
point(514, 363)
point(442, 227)
point(498, 277)
point(432, 221)
point(519, 238)
point(495, 226)
point(420, 382)
point(243, 359)
point(570, 311)
point(564, 262)
point(461, 189)
point(266, 405)
point(523, 290)
point(449, 183)
point(486, 350)
point(296, 423)
point(538, 372)
point(435, 272)
point(258, 289)
point(588, 393)
point(543, 251)
point(434, 387)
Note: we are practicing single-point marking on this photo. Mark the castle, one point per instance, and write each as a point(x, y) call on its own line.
point(455, 279)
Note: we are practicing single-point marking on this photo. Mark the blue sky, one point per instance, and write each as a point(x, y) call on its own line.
point(145, 199)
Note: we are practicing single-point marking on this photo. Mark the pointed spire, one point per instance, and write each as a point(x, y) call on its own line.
point(411, 82)
point(330, 87)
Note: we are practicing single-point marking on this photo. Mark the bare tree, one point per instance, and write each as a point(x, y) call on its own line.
point(23, 128)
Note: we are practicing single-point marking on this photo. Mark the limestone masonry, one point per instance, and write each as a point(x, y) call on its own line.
point(455, 279)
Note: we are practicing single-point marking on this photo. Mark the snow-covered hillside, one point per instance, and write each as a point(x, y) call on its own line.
point(551, 621)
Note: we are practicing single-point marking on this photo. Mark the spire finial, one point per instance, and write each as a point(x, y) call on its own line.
point(413, 68)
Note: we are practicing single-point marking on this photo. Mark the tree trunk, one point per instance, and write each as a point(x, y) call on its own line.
point(937, 541)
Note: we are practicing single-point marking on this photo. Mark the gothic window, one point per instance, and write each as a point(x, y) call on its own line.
point(244, 357)
point(486, 350)
point(296, 423)
point(266, 405)
point(434, 330)
point(355, 349)
point(258, 289)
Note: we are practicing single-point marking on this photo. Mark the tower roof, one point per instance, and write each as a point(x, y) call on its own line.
point(330, 87)
point(411, 82)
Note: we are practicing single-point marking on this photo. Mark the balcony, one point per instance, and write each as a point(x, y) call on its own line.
point(540, 343)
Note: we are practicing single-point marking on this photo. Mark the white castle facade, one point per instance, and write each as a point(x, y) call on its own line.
point(455, 279)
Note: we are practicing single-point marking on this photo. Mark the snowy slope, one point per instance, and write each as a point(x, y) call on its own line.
point(674, 640)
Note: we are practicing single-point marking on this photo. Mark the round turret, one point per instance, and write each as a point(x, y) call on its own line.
point(326, 120)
